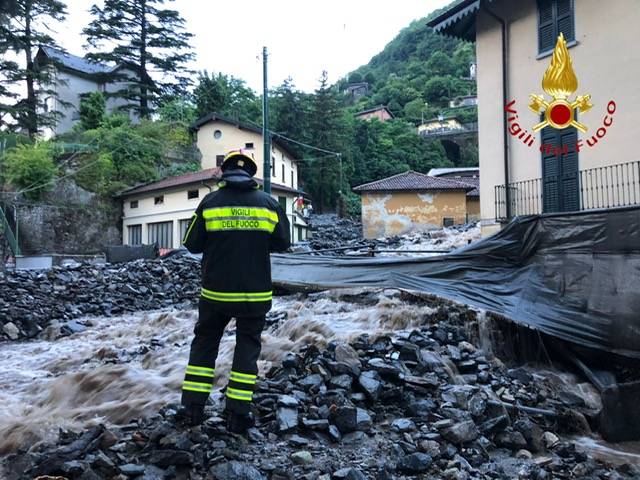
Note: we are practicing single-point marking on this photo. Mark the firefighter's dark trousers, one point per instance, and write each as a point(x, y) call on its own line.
point(198, 380)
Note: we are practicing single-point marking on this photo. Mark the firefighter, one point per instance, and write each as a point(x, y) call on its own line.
point(234, 228)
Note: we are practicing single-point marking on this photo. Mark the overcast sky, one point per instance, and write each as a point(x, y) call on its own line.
point(304, 37)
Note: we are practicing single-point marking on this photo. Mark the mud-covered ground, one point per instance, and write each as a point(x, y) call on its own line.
point(354, 385)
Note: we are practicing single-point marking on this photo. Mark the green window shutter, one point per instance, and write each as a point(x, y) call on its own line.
point(546, 25)
point(569, 177)
point(550, 172)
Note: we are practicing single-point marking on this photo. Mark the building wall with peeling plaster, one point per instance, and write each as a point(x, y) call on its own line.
point(473, 209)
point(388, 214)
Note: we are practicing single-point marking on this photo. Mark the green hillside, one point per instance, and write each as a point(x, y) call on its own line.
point(418, 67)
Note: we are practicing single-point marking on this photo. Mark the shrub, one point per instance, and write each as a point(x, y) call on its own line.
point(30, 167)
point(92, 110)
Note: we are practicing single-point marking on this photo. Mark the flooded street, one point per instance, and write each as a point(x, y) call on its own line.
point(127, 366)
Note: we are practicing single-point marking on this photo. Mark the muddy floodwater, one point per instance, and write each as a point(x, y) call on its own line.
point(121, 368)
point(127, 366)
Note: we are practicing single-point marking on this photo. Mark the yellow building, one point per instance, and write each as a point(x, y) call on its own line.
point(553, 169)
point(440, 124)
point(411, 201)
point(160, 211)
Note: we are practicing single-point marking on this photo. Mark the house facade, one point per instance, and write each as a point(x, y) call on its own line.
point(441, 124)
point(470, 176)
point(411, 201)
point(160, 211)
point(553, 169)
point(74, 77)
point(381, 113)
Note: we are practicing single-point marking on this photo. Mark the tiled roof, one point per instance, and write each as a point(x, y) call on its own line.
point(170, 182)
point(413, 181)
point(471, 181)
point(74, 62)
point(211, 174)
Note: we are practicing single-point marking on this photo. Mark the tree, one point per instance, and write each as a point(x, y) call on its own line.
point(355, 77)
point(210, 94)
point(30, 166)
point(92, 110)
point(149, 42)
point(226, 95)
point(286, 107)
point(326, 130)
point(22, 29)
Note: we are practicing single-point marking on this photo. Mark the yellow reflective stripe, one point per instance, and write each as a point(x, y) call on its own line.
point(240, 224)
point(239, 379)
point(237, 394)
point(196, 386)
point(237, 296)
point(245, 375)
point(193, 222)
point(200, 371)
point(237, 212)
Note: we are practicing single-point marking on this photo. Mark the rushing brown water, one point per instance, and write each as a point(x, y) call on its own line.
point(124, 367)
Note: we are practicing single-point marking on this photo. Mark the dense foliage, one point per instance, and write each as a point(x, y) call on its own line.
point(415, 77)
point(152, 44)
point(27, 165)
point(23, 28)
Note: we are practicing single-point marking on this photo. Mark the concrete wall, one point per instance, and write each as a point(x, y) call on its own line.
point(69, 220)
point(388, 214)
point(606, 63)
point(233, 138)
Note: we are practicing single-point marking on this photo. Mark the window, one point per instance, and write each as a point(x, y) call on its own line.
point(184, 226)
point(133, 204)
point(193, 194)
point(293, 185)
point(283, 180)
point(447, 222)
point(159, 200)
point(161, 233)
point(273, 166)
point(299, 234)
point(283, 203)
point(219, 160)
point(248, 146)
point(554, 16)
point(135, 234)
point(217, 134)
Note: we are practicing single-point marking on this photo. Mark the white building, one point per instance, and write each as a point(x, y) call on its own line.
point(160, 211)
point(72, 78)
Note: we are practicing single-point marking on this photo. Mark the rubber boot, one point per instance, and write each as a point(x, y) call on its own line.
point(239, 422)
point(192, 414)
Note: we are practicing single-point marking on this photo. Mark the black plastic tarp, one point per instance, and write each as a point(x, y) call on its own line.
point(573, 276)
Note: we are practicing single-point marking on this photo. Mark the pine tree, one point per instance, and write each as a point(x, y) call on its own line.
point(22, 30)
point(146, 39)
point(327, 133)
point(287, 114)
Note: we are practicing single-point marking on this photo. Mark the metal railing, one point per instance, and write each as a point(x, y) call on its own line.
point(8, 227)
point(465, 128)
point(600, 187)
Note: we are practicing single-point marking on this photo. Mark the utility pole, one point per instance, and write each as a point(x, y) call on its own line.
point(266, 163)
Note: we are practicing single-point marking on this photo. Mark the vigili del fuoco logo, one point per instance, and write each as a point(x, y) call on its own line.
point(560, 83)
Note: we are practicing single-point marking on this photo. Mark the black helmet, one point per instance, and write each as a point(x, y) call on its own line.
point(239, 160)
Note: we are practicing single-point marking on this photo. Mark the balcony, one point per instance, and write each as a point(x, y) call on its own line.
point(601, 187)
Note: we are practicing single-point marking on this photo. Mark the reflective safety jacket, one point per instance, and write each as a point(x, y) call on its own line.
point(235, 228)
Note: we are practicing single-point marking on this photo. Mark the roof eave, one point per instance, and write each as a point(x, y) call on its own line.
point(458, 21)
